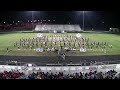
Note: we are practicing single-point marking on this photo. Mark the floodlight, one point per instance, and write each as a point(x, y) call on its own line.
point(83, 15)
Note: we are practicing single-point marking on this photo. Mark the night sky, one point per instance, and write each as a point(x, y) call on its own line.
point(92, 18)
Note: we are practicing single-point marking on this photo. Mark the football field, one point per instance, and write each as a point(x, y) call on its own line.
point(8, 40)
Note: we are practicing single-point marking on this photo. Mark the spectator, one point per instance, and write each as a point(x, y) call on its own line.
point(41, 75)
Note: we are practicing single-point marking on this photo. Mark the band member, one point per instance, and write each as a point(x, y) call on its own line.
point(63, 56)
point(7, 49)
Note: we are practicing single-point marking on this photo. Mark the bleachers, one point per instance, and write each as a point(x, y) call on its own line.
point(58, 28)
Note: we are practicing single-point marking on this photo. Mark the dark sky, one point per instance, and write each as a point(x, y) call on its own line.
point(75, 17)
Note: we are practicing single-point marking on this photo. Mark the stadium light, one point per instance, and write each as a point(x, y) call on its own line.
point(83, 12)
point(32, 12)
point(33, 18)
point(83, 18)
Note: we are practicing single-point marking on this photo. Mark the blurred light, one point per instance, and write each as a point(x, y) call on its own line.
point(4, 22)
point(18, 21)
point(29, 65)
point(31, 21)
point(32, 11)
point(35, 20)
point(102, 21)
point(38, 20)
point(28, 20)
point(81, 12)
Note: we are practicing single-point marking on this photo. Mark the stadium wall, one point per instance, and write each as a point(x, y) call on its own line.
point(65, 69)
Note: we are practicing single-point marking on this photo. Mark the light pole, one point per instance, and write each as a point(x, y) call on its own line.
point(83, 19)
point(33, 19)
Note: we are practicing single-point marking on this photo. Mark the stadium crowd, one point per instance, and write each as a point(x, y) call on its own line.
point(91, 75)
point(10, 74)
point(60, 75)
point(20, 25)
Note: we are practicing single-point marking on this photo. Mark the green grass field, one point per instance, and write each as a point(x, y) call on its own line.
point(8, 40)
